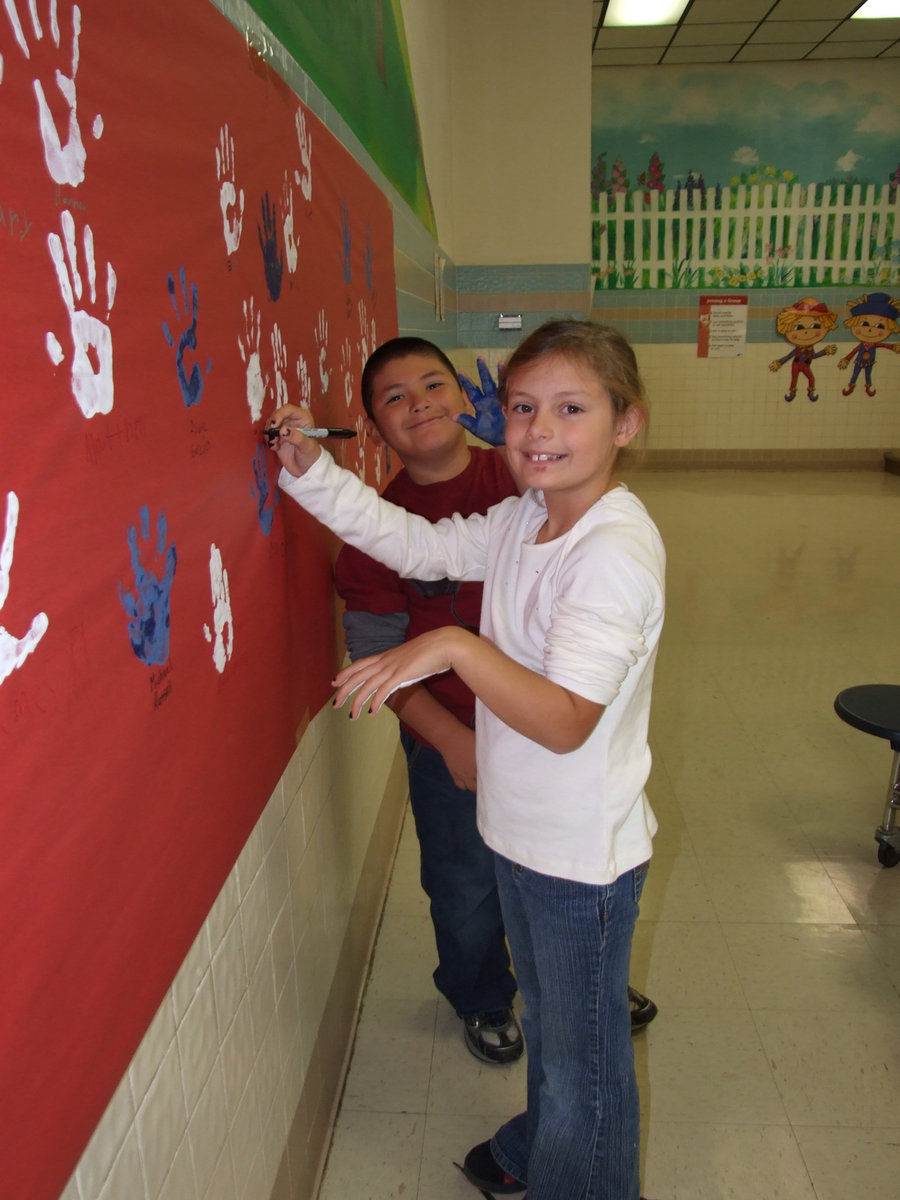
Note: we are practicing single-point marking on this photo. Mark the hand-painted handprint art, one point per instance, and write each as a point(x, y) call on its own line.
point(303, 177)
point(347, 371)
point(148, 606)
point(65, 159)
point(273, 264)
point(280, 360)
point(248, 345)
point(191, 385)
point(304, 382)
point(92, 357)
point(346, 244)
point(223, 623)
point(367, 336)
point(14, 650)
point(322, 344)
point(231, 201)
point(265, 495)
point(291, 243)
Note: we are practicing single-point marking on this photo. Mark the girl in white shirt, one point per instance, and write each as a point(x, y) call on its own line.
point(562, 671)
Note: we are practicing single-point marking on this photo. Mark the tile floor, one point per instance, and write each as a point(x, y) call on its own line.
point(769, 935)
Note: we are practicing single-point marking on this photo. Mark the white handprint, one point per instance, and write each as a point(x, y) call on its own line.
point(305, 382)
point(249, 348)
point(91, 337)
point(361, 447)
point(228, 194)
point(223, 625)
point(347, 369)
point(64, 162)
point(287, 207)
point(322, 343)
point(367, 342)
point(280, 356)
point(13, 650)
point(305, 141)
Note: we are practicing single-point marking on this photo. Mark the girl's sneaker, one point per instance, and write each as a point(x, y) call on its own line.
point(481, 1168)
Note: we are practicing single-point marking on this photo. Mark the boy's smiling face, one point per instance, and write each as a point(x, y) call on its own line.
point(415, 403)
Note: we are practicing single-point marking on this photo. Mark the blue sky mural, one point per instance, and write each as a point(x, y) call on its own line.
point(813, 122)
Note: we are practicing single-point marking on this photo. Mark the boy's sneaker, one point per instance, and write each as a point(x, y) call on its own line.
point(481, 1168)
point(643, 1010)
point(494, 1037)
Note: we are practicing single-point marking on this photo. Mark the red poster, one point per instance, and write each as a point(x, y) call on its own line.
point(183, 245)
point(722, 326)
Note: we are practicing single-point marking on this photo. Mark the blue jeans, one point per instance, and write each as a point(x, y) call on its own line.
point(571, 945)
point(457, 874)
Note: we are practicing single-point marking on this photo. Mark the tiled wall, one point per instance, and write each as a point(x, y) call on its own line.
point(232, 1091)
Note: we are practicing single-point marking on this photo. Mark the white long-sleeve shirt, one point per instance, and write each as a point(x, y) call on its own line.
point(586, 611)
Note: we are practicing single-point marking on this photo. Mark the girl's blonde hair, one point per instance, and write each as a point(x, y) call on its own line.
point(600, 348)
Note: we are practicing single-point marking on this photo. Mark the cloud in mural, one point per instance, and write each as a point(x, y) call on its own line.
point(746, 156)
point(880, 118)
point(847, 162)
point(647, 138)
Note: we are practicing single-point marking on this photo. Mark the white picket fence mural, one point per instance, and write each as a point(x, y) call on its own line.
point(750, 236)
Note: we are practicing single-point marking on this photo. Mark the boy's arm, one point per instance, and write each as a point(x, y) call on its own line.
point(373, 633)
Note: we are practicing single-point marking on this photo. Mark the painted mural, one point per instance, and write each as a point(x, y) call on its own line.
point(184, 246)
point(754, 176)
point(356, 52)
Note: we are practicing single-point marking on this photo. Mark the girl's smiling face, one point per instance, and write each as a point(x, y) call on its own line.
point(563, 434)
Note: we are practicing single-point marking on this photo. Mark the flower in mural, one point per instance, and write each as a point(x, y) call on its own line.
point(652, 180)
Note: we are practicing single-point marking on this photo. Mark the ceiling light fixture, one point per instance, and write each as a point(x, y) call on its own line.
point(874, 10)
point(643, 12)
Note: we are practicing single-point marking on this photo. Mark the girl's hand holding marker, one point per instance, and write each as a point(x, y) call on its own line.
point(293, 435)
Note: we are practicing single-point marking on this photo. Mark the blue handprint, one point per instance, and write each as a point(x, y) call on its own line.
point(368, 258)
point(260, 490)
point(191, 386)
point(346, 262)
point(268, 242)
point(148, 606)
point(489, 422)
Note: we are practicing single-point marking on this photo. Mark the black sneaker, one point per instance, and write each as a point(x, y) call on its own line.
point(643, 1010)
point(494, 1037)
point(481, 1168)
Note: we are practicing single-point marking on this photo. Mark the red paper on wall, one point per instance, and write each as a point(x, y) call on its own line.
point(183, 246)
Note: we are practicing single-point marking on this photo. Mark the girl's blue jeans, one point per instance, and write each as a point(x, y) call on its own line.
point(571, 946)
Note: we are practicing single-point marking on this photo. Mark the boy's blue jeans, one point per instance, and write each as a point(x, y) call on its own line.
point(457, 873)
point(571, 945)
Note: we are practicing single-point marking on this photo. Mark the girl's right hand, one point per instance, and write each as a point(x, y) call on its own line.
point(296, 452)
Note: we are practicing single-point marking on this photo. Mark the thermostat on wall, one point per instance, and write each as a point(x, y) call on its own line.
point(509, 321)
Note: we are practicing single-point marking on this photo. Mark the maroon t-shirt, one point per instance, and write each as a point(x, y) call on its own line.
point(367, 586)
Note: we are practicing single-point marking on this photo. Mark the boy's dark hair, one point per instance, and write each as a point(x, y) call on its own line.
point(388, 352)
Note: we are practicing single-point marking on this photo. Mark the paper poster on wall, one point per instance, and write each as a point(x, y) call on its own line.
point(722, 327)
point(183, 246)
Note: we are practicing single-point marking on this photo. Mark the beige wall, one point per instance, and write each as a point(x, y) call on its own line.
point(503, 91)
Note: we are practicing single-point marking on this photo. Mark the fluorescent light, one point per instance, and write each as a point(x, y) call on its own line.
point(875, 9)
point(643, 12)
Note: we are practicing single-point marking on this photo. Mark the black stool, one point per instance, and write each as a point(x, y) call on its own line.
point(875, 708)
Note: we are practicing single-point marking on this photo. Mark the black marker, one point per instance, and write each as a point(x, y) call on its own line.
point(273, 431)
